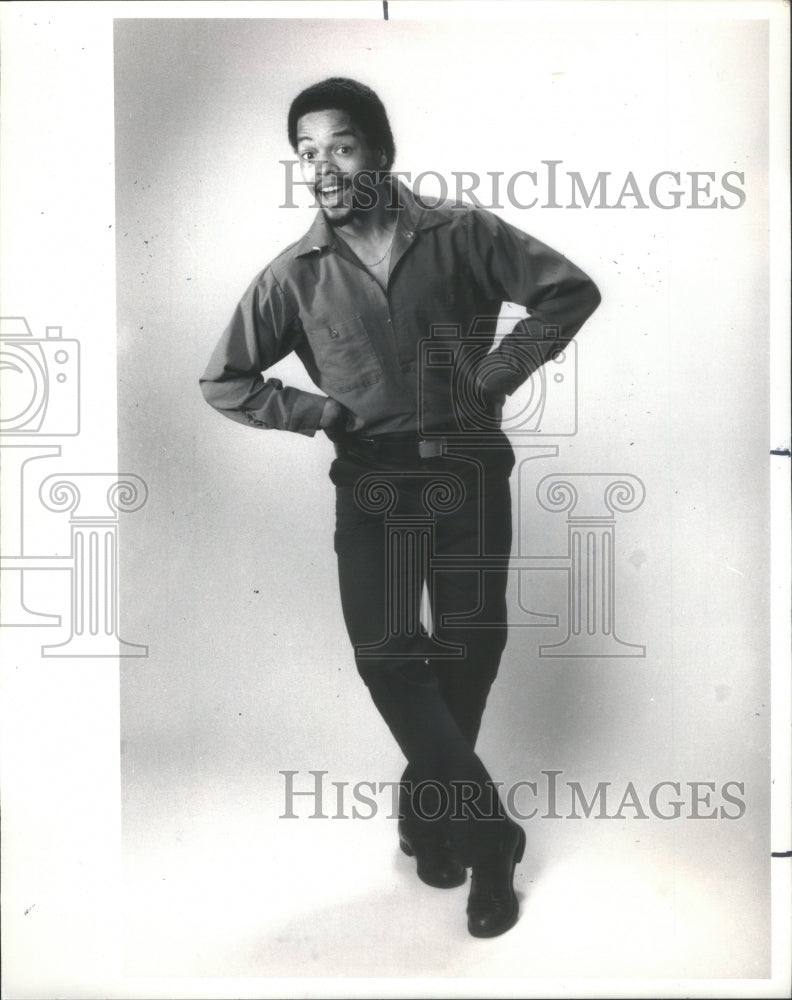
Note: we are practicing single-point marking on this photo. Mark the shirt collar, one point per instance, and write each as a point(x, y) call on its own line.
point(413, 216)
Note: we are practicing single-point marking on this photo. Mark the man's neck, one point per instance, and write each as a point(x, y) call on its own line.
point(373, 222)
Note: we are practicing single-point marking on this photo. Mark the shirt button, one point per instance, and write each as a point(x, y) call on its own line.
point(334, 333)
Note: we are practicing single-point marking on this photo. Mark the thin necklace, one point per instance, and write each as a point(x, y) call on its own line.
point(388, 248)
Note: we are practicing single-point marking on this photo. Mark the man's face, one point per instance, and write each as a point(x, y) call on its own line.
point(332, 150)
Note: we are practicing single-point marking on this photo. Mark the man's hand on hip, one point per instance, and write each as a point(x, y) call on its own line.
point(335, 418)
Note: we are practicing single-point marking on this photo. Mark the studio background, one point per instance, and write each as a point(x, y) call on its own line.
point(228, 573)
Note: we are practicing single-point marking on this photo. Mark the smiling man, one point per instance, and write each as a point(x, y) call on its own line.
point(422, 467)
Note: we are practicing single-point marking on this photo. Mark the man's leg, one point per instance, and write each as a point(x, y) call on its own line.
point(404, 687)
point(469, 603)
point(469, 608)
point(480, 527)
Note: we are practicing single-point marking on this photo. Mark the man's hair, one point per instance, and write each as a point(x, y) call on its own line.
point(359, 101)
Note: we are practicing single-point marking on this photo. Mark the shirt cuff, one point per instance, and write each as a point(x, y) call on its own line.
point(307, 413)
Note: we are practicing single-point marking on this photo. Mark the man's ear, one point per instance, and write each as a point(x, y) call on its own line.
point(383, 159)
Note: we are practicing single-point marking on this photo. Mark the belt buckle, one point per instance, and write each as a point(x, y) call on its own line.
point(432, 449)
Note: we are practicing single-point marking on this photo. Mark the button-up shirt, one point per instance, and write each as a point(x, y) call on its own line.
point(407, 357)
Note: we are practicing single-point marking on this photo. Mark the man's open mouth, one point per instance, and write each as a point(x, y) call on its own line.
point(331, 190)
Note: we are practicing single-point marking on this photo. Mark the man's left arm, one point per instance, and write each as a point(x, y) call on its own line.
point(512, 266)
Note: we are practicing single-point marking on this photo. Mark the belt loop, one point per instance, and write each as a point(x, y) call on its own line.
point(432, 449)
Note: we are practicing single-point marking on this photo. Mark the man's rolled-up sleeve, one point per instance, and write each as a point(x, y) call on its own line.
point(512, 266)
point(262, 330)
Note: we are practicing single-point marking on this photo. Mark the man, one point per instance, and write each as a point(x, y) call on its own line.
point(391, 306)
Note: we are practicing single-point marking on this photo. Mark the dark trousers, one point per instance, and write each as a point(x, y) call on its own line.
point(398, 528)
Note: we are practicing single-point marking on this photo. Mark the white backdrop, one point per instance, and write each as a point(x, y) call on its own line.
point(228, 574)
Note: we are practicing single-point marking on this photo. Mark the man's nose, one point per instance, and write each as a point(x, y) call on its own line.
point(327, 166)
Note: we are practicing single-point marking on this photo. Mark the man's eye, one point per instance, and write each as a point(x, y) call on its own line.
point(307, 155)
point(345, 150)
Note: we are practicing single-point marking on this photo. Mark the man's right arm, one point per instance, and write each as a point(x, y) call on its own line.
point(263, 329)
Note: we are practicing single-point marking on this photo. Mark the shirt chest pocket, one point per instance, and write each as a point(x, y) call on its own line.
point(343, 353)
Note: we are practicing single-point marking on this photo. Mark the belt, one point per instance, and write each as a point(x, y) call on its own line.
point(394, 448)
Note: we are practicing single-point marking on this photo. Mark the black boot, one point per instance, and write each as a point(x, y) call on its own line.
point(492, 907)
point(438, 864)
